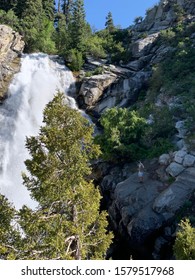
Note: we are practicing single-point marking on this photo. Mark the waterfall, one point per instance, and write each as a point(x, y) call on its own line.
point(40, 77)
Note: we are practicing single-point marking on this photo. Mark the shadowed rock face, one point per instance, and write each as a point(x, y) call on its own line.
point(11, 47)
point(140, 211)
point(145, 215)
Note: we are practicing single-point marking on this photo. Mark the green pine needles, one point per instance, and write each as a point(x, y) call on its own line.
point(68, 223)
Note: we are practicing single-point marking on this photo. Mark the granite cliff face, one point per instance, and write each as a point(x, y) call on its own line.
point(146, 215)
point(166, 14)
point(120, 86)
point(11, 47)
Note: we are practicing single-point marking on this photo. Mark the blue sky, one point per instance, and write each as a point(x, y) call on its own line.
point(123, 11)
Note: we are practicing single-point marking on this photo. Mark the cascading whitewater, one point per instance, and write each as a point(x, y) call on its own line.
point(40, 77)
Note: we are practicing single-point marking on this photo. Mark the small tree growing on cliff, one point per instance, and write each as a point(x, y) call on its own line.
point(68, 224)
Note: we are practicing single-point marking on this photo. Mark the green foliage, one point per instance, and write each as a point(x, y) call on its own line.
point(67, 9)
point(115, 50)
point(37, 27)
point(6, 5)
point(179, 12)
point(128, 135)
point(115, 44)
point(9, 18)
point(67, 224)
point(167, 36)
point(109, 23)
point(45, 41)
point(72, 37)
point(184, 247)
point(122, 134)
point(176, 72)
point(163, 123)
point(78, 26)
point(94, 46)
point(98, 71)
point(48, 7)
point(159, 147)
point(75, 59)
point(8, 235)
point(61, 36)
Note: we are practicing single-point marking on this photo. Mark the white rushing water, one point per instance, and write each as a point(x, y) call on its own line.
point(32, 88)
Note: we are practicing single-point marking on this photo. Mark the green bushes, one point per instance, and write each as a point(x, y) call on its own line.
point(94, 46)
point(75, 59)
point(176, 71)
point(128, 136)
point(167, 36)
point(9, 18)
point(98, 71)
point(184, 247)
point(122, 133)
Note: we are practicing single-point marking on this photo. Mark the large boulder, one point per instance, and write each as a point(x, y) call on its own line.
point(181, 128)
point(173, 198)
point(188, 160)
point(142, 47)
point(179, 156)
point(131, 199)
point(114, 88)
point(141, 210)
point(92, 88)
point(11, 47)
point(144, 225)
point(174, 169)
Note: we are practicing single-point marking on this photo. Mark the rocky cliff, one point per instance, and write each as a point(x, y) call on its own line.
point(166, 14)
point(145, 215)
point(120, 86)
point(11, 47)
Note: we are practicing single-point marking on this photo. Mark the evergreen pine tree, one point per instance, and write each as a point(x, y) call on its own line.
point(109, 23)
point(6, 5)
point(9, 237)
point(48, 7)
point(20, 7)
point(62, 37)
point(67, 8)
point(31, 23)
point(68, 224)
point(78, 26)
point(36, 27)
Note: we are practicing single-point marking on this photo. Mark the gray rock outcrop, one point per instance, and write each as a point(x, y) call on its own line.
point(138, 211)
point(116, 87)
point(92, 88)
point(11, 47)
point(164, 15)
point(174, 197)
point(174, 169)
point(120, 86)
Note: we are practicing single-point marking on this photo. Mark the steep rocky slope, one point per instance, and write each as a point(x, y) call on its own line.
point(120, 86)
point(146, 216)
point(11, 47)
